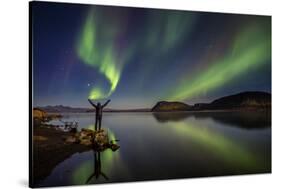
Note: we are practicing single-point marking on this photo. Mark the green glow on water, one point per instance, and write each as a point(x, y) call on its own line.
point(231, 152)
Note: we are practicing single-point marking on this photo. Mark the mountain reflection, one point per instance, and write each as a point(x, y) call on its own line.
point(246, 120)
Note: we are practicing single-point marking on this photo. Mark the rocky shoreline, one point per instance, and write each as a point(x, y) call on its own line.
point(97, 140)
point(49, 150)
point(52, 146)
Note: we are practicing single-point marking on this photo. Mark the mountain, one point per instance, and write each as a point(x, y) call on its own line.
point(164, 106)
point(64, 109)
point(127, 110)
point(68, 109)
point(246, 100)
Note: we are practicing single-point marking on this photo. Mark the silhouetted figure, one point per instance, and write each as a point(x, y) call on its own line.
point(97, 169)
point(99, 109)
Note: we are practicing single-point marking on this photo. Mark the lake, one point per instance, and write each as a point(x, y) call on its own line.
point(170, 145)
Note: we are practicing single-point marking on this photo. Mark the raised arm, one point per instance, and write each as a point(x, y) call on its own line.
point(105, 103)
point(92, 103)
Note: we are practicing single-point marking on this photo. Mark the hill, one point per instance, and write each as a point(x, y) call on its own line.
point(64, 109)
point(242, 101)
point(164, 106)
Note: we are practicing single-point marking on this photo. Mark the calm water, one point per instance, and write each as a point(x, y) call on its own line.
point(170, 145)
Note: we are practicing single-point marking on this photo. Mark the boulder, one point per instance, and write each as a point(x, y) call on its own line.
point(101, 138)
point(98, 140)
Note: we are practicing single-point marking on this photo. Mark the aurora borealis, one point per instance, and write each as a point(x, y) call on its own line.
point(250, 49)
point(137, 56)
point(101, 58)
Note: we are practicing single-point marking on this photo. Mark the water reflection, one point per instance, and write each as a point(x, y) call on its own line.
point(163, 117)
point(217, 144)
point(96, 167)
point(101, 163)
point(246, 120)
point(180, 145)
point(97, 172)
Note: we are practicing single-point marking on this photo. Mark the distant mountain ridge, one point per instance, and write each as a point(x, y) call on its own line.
point(68, 109)
point(65, 109)
point(253, 100)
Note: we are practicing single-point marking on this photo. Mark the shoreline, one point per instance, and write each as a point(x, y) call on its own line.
point(173, 111)
point(49, 149)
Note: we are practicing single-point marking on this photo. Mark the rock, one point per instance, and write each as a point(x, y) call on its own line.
point(77, 135)
point(98, 140)
point(101, 138)
point(87, 130)
point(86, 142)
point(71, 139)
point(114, 147)
point(39, 114)
point(85, 133)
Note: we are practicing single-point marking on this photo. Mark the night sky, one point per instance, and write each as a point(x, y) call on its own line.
point(136, 56)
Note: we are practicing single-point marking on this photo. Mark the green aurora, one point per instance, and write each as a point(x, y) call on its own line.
point(101, 58)
point(96, 46)
point(138, 56)
point(250, 49)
